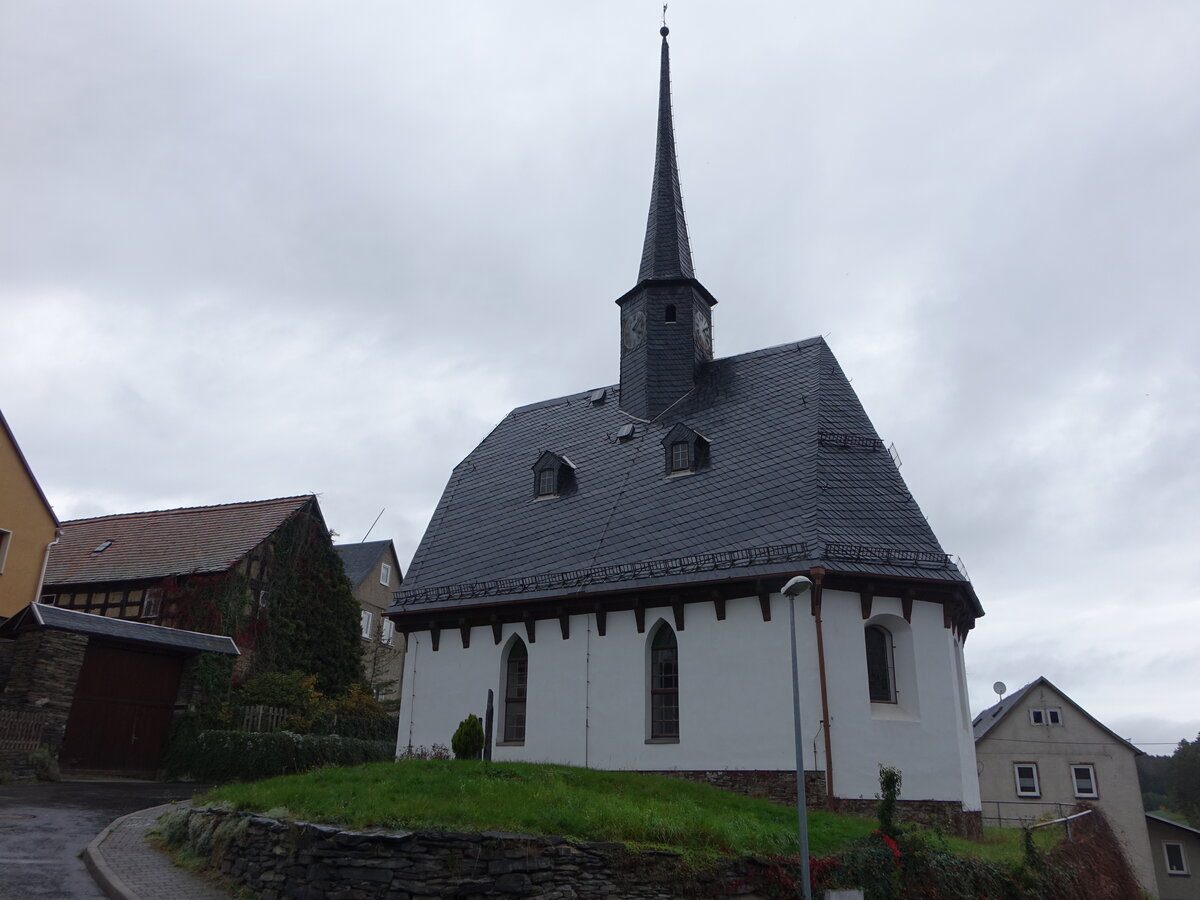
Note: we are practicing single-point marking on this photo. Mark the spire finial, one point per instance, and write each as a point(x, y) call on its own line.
point(666, 252)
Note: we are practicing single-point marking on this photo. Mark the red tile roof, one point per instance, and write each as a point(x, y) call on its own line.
point(167, 542)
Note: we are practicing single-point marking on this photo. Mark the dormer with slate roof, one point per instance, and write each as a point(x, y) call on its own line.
point(666, 319)
point(685, 450)
point(553, 476)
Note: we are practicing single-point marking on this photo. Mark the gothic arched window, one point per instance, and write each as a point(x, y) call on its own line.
point(881, 670)
point(516, 680)
point(664, 684)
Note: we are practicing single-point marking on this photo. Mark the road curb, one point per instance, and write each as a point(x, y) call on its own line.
point(93, 856)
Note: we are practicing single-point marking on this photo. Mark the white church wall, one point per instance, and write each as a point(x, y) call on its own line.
point(923, 736)
point(587, 696)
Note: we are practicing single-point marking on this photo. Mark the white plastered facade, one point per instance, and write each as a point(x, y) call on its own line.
point(588, 695)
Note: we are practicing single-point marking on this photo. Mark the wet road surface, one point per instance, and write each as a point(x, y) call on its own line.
point(44, 827)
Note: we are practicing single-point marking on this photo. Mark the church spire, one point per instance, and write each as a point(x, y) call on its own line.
point(666, 253)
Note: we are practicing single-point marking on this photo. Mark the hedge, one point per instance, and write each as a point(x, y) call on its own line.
point(220, 756)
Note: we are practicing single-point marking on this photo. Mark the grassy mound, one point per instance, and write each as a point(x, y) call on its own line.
point(581, 804)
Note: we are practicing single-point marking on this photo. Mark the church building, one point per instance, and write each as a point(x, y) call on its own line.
point(609, 564)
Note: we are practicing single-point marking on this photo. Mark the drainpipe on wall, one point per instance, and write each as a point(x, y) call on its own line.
point(37, 595)
point(815, 575)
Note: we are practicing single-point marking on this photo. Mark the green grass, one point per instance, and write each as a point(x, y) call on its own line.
point(1003, 845)
point(581, 804)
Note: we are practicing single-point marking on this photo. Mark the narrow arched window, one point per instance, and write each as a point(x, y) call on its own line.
point(669, 315)
point(516, 679)
point(664, 684)
point(881, 670)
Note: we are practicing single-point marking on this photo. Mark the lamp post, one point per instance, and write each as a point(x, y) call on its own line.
point(794, 588)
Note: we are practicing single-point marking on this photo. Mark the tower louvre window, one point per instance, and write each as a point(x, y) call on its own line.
point(669, 313)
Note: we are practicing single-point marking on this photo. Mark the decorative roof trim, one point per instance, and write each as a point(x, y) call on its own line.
point(658, 568)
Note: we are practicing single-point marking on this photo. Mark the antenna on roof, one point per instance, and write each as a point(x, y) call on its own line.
point(1000, 687)
point(373, 524)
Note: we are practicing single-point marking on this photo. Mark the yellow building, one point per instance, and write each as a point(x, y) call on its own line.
point(27, 527)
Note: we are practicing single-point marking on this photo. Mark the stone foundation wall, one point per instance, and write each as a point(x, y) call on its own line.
point(277, 860)
point(780, 787)
point(946, 815)
point(769, 784)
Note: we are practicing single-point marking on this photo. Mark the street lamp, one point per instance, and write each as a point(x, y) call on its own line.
point(794, 588)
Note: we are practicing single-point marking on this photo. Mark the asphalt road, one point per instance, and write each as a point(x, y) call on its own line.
point(44, 827)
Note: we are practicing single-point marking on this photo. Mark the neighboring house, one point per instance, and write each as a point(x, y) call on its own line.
point(98, 693)
point(1040, 754)
point(374, 573)
point(609, 564)
point(1176, 851)
point(27, 526)
point(228, 569)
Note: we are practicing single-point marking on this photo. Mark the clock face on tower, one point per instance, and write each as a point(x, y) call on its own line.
point(702, 331)
point(633, 331)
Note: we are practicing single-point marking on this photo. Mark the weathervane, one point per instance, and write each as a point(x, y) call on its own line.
point(664, 15)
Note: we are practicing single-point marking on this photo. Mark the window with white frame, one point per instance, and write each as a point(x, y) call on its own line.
point(1027, 780)
point(385, 575)
point(151, 603)
point(1053, 716)
point(389, 632)
point(5, 540)
point(364, 622)
point(1175, 859)
point(1037, 717)
point(1083, 777)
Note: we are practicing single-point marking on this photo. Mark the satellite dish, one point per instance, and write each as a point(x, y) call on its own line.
point(1000, 688)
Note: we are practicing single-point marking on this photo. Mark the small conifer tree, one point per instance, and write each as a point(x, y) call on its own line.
point(467, 742)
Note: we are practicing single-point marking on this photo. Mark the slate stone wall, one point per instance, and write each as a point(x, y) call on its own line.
point(947, 815)
point(774, 785)
point(277, 860)
point(43, 667)
point(780, 787)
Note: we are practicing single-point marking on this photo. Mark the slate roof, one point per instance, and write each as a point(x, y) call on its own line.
point(993, 715)
point(193, 540)
point(796, 477)
point(360, 559)
point(173, 639)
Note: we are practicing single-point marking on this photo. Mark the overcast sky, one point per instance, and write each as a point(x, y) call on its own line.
point(258, 249)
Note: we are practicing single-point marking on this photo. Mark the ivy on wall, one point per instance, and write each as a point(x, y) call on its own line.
point(297, 615)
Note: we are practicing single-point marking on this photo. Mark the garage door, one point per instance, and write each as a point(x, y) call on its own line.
point(124, 702)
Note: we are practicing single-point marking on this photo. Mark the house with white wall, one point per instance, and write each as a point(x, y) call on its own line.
point(1040, 754)
point(608, 564)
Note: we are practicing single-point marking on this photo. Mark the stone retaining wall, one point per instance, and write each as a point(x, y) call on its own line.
point(313, 862)
point(780, 787)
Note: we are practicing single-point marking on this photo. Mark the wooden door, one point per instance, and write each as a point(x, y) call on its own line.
point(124, 702)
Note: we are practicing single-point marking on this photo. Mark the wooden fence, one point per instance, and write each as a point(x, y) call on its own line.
point(21, 729)
point(261, 718)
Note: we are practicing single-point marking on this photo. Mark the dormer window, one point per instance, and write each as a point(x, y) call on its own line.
point(553, 476)
point(686, 450)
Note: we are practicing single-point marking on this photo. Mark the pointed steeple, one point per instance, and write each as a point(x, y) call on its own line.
point(666, 253)
point(666, 319)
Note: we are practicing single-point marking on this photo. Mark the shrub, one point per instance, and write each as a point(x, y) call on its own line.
point(221, 756)
point(889, 791)
point(468, 739)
